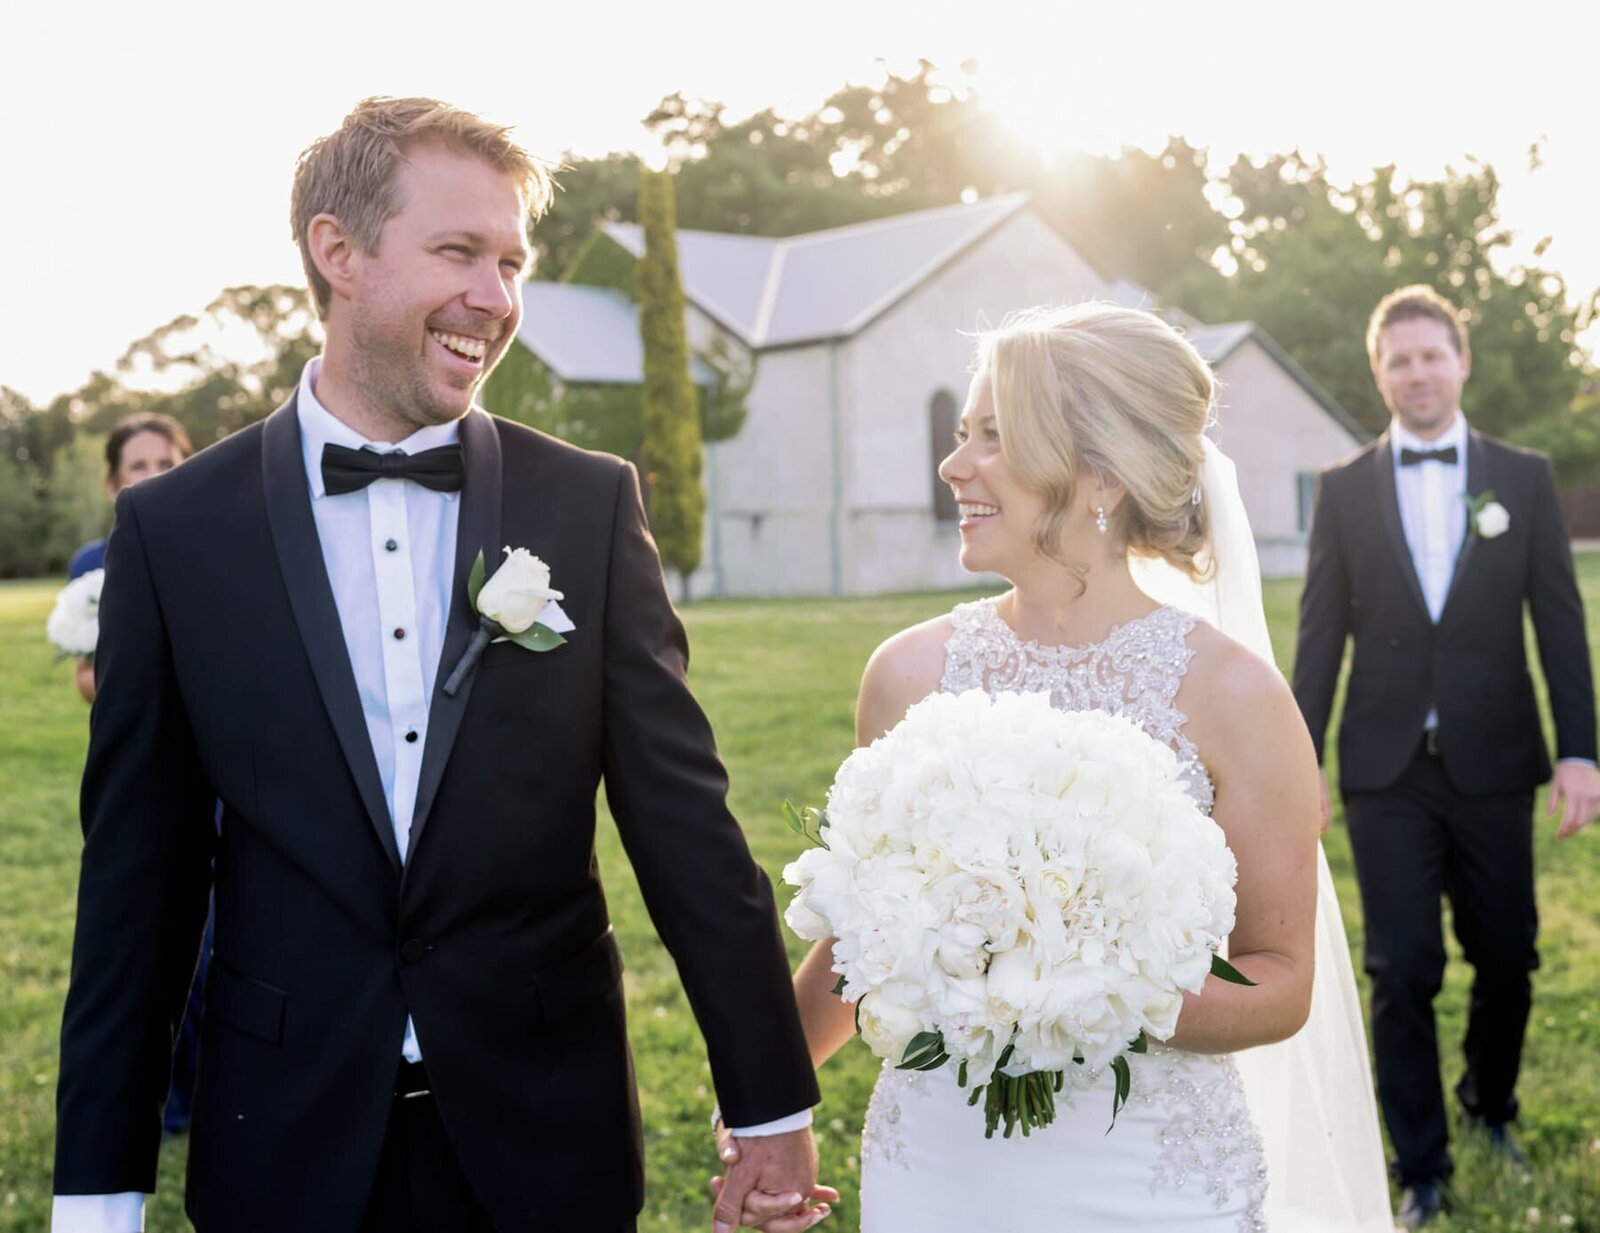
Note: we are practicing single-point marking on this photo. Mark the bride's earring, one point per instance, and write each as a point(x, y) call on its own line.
point(1100, 523)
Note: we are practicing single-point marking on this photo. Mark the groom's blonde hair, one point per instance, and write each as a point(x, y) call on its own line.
point(351, 172)
point(1098, 389)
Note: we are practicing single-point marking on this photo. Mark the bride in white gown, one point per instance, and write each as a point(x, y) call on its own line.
point(1084, 478)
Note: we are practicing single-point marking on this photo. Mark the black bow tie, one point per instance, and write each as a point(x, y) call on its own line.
point(1410, 457)
point(347, 470)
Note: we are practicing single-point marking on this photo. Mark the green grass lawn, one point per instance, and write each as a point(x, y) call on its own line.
point(778, 679)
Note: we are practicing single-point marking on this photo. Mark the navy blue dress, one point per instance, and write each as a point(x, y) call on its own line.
point(90, 557)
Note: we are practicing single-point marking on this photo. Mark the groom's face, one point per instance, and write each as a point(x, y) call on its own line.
point(437, 304)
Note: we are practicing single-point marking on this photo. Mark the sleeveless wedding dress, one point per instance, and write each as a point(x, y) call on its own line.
point(1185, 1154)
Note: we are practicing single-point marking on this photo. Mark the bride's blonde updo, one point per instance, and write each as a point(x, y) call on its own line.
point(1097, 389)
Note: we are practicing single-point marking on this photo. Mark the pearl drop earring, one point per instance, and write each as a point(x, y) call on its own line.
point(1100, 523)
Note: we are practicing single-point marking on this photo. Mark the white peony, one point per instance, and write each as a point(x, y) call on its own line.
point(1035, 886)
point(74, 622)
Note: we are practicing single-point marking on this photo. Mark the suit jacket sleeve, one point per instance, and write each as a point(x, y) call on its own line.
point(1324, 619)
point(142, 890)
point(708, 899)
point(1558, 621)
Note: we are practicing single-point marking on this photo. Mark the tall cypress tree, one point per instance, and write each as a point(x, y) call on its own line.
point(671, 449)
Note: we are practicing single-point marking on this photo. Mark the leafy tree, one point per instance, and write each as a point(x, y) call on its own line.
point(671, 447)
point(231, 366)
point(1310, 259)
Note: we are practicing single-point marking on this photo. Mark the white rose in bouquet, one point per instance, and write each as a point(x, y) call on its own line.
point(74, 622)
point(1015, 889)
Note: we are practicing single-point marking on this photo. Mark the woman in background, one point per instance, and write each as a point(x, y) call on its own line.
point(139, 446)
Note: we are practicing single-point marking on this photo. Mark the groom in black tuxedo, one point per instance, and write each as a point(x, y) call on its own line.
point(1426, 549)
point(415, 1007)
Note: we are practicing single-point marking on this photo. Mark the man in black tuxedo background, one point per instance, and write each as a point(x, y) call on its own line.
point(415, 1004)
point(1426, 548)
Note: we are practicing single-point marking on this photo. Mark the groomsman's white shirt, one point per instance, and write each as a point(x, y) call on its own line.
point(389, 549)
point(1433, 508)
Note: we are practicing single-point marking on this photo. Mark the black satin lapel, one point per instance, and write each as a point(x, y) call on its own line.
point(1383, 482)
point(477, 530)
point(1477, 484)
point(305, 577)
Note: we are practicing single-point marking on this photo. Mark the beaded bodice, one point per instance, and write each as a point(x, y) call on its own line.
point(1134, 672)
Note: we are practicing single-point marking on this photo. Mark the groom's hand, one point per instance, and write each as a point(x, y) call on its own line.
point(1575, 790)
point(770, 1182)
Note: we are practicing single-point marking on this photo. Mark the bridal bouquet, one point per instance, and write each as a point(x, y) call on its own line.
point(1015, 889)
point(74, 623)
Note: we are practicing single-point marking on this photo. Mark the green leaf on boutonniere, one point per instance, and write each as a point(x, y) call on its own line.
point(475, 580)
point(1223, 970)
point(537, 638)
point(1141, 1044)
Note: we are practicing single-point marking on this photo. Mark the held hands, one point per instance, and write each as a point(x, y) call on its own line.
point(1575, 791)
point(766, 1179)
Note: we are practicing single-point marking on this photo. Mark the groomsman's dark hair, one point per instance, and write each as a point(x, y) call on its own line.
point(350, 173)
point(1409, 304)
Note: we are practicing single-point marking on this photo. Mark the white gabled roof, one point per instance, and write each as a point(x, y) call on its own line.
point(588, 334)
point(826, 284)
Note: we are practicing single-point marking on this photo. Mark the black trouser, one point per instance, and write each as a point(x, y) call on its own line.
point(1414, 842)
point(420, 1187)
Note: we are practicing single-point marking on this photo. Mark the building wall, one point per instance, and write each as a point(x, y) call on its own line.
point(1279, 437)
point(893, 371)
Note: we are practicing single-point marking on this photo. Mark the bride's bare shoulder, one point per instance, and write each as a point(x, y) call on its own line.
point(1230, 692)
point(905, 669)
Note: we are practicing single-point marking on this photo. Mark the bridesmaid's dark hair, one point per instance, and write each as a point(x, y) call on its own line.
point(131, 426)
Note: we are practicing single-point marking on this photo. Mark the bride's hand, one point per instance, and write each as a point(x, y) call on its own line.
point(795, 1220)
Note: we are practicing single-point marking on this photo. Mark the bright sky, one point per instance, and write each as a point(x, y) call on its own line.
point(146, 150)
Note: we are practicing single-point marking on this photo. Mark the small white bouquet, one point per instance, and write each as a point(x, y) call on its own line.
point(1016, 889)
point(74, 623)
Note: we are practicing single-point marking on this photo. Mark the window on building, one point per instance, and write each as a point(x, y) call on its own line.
point(942, 412)
point(1305, 483)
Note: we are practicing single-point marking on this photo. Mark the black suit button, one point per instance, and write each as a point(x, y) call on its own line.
point(413, 950)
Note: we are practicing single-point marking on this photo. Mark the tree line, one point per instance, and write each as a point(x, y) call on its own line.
point(1275, 240)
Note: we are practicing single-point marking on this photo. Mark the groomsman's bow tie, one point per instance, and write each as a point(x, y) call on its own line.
point(1410, 457)
point(347, 470)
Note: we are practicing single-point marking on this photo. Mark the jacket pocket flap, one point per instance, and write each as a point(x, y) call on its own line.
point(590, 974)
point(248, 1004)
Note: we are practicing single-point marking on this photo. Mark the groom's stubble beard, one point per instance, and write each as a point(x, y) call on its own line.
point(394, 380)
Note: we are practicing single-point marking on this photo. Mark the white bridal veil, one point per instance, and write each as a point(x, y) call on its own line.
point(1311, 1095)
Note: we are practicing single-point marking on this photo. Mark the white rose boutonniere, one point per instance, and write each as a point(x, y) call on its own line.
point(515, 604)
point(1489, 518)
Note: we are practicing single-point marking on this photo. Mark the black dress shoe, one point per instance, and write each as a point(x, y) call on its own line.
point(1504, 1145)
point(1420, 1203)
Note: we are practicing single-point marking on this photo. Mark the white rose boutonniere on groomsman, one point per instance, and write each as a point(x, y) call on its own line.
point(1489, 518)
point(515, 604)
point(74, 623)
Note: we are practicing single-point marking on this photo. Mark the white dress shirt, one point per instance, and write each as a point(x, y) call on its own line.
point(1433, 507)
point(389, 550)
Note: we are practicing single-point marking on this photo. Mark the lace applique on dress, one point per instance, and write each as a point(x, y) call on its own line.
point(1135, 672)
